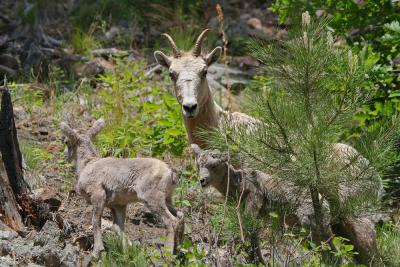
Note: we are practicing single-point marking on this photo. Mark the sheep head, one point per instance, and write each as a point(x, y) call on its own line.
point(74, 138)
point(211, 165)
point(188, 71)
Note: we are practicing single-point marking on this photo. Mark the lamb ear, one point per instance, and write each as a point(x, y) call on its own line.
point(68, 132)
point(196, 149)
point(162, 59)
point(96, 128)
point(213, 56)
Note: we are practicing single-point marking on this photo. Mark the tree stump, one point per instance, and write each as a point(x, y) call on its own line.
point(8, 205)
point(14, 192)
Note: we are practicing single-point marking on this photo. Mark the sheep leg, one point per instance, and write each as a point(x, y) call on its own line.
point(98, 200)
point(171, 208)
point(180, 227)
point(159, 208)
point(119, 214)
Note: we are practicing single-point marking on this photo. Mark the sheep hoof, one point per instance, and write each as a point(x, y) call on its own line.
point(179, 214)
point(96, 252)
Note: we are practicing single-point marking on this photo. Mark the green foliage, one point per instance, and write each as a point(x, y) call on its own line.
point(35, 157)
point(117, 255)
point(189, 255)
point(138, 11)
point(372, 26)
point(344, 253)
point(312, 92)
point(84, 42)
point(388, 237)
point(26, 97)
point(346, 15)
point(186, 186)
point(140, 116)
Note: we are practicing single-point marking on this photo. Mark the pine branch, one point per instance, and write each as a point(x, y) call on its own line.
point(281, 129)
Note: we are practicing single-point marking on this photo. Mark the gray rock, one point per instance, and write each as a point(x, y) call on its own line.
point(8, 235)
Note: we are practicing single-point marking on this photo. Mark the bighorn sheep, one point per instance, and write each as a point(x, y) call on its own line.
point(188, 71)
point(261, 190)
point(114, 183)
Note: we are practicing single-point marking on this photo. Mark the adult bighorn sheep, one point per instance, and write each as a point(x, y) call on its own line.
point(114, 183)
point(188, 71)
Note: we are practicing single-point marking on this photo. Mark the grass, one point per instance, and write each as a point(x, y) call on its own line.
point(36, 159)
point(389, 244)
point(117, 255)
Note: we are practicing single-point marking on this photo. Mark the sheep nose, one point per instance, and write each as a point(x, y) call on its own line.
point(190, 107)
point(202, 182)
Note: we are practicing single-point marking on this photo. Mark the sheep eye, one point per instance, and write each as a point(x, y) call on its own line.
point(173, 75)
point(204, 73)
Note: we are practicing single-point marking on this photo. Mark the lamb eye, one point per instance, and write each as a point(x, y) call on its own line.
point(204, 73)
point(173, 75)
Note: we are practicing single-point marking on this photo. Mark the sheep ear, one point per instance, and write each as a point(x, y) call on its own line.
point(68, 132)
point(213, 55)
point(162, 59)
point(96, 128)
point(196, 149)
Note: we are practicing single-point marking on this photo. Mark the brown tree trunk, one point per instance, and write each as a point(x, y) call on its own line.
point(8, 205)
point(9, 146)
point(15, 192)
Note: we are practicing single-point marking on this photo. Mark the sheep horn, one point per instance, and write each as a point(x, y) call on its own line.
point(197, 47)
point(175, 49)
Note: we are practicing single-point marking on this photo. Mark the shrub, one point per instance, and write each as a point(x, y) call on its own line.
point(141, 117)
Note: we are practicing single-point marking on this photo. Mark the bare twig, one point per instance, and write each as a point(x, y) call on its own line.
point(226, 195)
point(224, 57)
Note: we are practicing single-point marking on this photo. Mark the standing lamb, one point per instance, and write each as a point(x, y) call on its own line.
point(114, 183)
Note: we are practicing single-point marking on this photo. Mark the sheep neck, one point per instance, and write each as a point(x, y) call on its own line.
point(85, 153)
point(208, 117)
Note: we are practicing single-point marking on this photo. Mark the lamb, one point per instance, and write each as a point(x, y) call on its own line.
point(114, 183)
point(263, 191)
point(259, 190)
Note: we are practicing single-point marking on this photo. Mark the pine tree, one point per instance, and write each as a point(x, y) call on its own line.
point(309, 92)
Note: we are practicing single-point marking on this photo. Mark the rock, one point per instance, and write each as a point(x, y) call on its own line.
point(8, 235)
point(237, 84)
point(7, 261)
point(361, 233)
point(34, 265)
point(90, 69)
point(49, 196)
point(84, 242)
point(4, 70)
point(108, 52)
point(50, 235)
point(46, 248)
point(112, 32)
point(94, 67)
point(254, 23)
point(69, 256)
point(246, 62)
point(9, 61)
point(236, 78)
